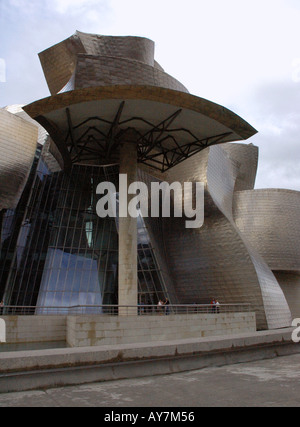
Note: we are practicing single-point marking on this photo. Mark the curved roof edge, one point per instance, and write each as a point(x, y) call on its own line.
point(151, 93)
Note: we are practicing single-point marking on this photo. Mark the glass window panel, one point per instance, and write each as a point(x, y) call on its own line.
point(66, 299)
point(94, 281)
point(49, 300)
point(50, 278)
point(72, 251)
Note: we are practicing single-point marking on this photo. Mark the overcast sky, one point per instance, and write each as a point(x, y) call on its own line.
point(242, 54)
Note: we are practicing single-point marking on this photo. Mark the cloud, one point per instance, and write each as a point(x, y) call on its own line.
point(274, 110)
point(48, 17)
point(75, 7)
point(28, 27)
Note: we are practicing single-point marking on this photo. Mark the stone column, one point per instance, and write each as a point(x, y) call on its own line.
point(128, 284)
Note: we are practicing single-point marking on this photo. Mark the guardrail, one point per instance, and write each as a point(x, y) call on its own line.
point(114, 310)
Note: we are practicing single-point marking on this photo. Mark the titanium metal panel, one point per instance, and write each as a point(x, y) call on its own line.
point(86, 60)
point(246, 158)
point(269, 219)
point(217, 260)
point(107, 71)
point(18, 143)
point(274, 303)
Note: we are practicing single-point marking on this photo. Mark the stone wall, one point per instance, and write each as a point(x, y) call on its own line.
point(30, 329)
point(84, 331)
point(110, 330)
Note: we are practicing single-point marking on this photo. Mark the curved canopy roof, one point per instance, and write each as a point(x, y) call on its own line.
point(87, 124)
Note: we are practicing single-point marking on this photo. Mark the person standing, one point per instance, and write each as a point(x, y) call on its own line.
point(160, 306)
point(167, 308)
point(213, 305)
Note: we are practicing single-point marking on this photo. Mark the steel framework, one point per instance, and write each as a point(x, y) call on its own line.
point(159, 146)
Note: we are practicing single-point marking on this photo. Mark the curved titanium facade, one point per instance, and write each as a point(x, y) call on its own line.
point(218, 260)
point(86, 60)
point(18, 143)
point(246, 161)
point(269, 219)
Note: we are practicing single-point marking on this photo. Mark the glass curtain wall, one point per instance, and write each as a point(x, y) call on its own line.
point(12, 222)
point(65, 255)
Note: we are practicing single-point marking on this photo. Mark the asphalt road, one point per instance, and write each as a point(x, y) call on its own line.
point(267, 383)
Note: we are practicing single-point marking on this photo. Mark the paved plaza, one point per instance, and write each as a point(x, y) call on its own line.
point(274, 382)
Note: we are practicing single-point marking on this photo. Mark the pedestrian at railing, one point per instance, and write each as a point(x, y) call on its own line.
point(160, 307)
point(167, 308)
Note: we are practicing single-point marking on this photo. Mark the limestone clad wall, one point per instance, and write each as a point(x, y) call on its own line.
point(85, 331)
point(30, 329)
point(110, 330)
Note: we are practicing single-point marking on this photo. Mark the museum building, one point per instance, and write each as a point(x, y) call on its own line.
point(114, 110)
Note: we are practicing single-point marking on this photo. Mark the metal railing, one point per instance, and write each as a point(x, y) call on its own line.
point(114, 310)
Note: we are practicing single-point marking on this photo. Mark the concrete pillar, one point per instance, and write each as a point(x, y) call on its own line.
point(128, 283)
